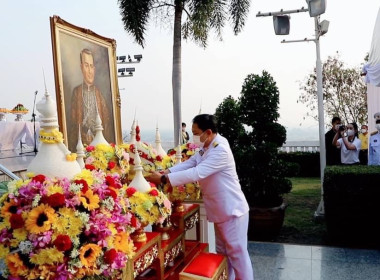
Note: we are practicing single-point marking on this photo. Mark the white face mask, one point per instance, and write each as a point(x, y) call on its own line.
point(364, 130)
point(197, 140)
point(350, 132)
point(378, 126)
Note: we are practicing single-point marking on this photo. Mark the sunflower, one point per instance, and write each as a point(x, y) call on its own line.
point(124, 244)
point(16, 266)
point(89, 200)
point(9, 208)
point(40, 219)
point(89, 253)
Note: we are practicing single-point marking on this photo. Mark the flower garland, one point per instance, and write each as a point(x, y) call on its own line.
point(52, 137)
point(151, 207)
point(61, 229)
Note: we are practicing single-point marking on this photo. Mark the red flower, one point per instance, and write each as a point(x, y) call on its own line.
point(111, 165)
point(89, 167)
point(90, 148)
point(153, 192)
point(62, 242)
point(133, 221)
point(132, 148)
point(83, 183)
point(131, 191)
point(110, 256)
point(39, 178)
point(56, 200)
point(152, 185)
point(112, 145)
point(112, 193)
point(110, 181)
point(159, 158)
point(16, 221)
point(170, 189)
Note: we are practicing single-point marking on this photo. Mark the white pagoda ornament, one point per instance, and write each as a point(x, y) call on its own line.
point(160, 151)
point(53, 158)
point(99, 138)
point(133, 133)
point(80, 151)
point(139, 182)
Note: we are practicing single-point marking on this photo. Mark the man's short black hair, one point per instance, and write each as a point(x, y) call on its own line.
point(335, 119)
point(183, 124)
point(206, 121)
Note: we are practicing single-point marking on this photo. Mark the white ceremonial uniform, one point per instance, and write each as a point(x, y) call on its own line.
point(224, 202)
point(374, 150)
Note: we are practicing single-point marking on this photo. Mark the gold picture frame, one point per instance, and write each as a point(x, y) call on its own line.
point(85, 83)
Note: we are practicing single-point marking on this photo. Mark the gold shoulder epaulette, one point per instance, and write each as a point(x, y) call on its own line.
point(215, 144)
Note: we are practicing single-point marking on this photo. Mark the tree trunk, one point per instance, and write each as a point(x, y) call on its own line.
point(177, 74)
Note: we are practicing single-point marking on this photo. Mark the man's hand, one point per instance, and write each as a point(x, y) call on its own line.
point(155, 178)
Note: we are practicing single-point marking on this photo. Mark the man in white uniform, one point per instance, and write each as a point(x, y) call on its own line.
point(214, 167)
point(374, 146)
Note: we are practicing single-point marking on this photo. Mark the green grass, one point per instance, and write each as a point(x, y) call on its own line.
point(299, 224)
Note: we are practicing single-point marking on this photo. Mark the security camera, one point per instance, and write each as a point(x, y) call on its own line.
point(138, 57)
point(324, 27)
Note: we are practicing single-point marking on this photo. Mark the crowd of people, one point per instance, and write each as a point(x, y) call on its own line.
point(346, 145)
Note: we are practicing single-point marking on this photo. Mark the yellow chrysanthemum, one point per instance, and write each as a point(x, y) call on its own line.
point(89, 200)
point(89, 253)
point(40, 219)
point(67, 223)
point(85, 175)
point(16, 266)
point(124, 244)
point(47, 256)
point(20, 234)
point(54, 189)
point(4, 251)
point(3, 198)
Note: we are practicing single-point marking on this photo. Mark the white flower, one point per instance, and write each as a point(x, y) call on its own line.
point(26, 247)
point(36, 200)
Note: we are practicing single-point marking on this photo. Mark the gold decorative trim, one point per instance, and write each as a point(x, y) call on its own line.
point(191, 221)
point(145, 260)
point(171, 254)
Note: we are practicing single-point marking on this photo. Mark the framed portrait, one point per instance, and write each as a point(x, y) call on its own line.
point(85, 82)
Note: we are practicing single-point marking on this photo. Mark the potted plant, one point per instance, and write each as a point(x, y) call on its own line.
point(250, 125)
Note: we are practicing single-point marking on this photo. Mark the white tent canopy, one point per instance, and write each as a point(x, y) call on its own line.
point(372, 78)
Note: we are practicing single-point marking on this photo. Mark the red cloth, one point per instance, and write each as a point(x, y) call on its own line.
point(204, 264)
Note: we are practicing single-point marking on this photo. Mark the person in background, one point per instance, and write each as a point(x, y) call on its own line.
point(374, 146)
point(346, 139)
point(363, 136)
point(226, 206)
point(185, 135)
point(332, 152)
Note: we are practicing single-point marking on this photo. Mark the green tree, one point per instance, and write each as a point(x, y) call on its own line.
point(344, 92)
point(261, 172)
point(200, 17)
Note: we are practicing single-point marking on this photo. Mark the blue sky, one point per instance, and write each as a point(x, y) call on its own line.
point(209, 75)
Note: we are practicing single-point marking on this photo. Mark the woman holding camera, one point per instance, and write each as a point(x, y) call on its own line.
point(349, 143)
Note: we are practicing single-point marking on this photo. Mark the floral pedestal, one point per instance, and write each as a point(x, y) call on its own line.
point(139, 235)
point(19, 117)
point(178, 206)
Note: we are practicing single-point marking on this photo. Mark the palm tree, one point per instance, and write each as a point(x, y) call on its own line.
point(201, 16)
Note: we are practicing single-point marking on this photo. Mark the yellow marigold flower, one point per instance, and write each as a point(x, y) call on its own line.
point(4, 251)
point(47, 256)
point(67, 223)
point(16, 266)
point(3, 198)
point(89, 200)
point(30, 174)
point(40, 219)
point(71, 157)
point(89, 253)
point(124, 244)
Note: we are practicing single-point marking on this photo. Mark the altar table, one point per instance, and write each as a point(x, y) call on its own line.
point(11, 133)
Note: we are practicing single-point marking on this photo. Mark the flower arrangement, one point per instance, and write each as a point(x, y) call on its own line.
point(187, 150)
point(151, 207)
point(108, 158)
point(60, 229)
point(190, 191)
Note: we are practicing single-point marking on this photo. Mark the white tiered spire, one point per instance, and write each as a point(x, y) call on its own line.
point(80, 150)
point(139, 182)
point(99, 138)
point(159, 149)
point(133, 132)
point(53, 158)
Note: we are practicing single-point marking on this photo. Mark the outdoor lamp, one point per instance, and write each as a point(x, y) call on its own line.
point(316, 7)
point(130, 70)
point(281, 24)
point(122, 58)
point(121, 70)
point(138, 57)
point(324, 27)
